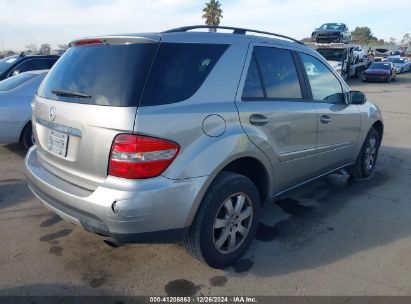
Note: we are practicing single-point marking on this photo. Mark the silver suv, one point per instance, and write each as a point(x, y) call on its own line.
point(183, 135)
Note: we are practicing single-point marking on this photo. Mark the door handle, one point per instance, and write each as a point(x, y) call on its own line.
point(258, 120)
point(325, 119)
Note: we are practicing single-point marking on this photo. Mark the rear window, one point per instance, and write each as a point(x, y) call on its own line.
point(109, 75)
point(179, 70)
point(13, 82)
point(380, 65)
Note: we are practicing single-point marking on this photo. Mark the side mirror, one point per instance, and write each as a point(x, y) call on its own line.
point(15, 72)
point(357, 97)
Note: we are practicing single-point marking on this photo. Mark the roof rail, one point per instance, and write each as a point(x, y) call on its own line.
point(236, 30)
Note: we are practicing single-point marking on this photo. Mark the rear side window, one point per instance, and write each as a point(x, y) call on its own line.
point(276, 69)
point(14, 81)
point(179, 70)
point(110, 75)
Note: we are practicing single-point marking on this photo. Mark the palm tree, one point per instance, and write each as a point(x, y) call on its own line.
point(212, 13)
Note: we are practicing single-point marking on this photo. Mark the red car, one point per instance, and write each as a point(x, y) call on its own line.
point(380, 71)
point(406, 54)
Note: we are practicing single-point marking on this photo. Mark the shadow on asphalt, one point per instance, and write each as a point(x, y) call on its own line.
point(13, 192)
point(327, 224)
point(16, 148)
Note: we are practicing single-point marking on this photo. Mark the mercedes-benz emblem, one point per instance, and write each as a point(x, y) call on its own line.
point(52, 113)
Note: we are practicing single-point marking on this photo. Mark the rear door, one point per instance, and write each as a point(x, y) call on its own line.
point(338, 122)
point(276, 114)
point(89, 96)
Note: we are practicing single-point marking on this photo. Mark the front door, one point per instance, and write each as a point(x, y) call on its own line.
point(338, 122)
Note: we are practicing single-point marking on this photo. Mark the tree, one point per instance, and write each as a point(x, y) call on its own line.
point(406, 40)
point(31, 48)
point(63, 47)
point(392, 41)
point(212, 13)
point(363, 35)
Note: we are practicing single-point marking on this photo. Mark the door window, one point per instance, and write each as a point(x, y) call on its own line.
point(272, 75)
point(324, 85)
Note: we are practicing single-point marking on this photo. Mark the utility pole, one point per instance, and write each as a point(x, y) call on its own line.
point(2, 47)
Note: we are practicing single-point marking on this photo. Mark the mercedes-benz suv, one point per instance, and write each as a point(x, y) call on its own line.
point(183, 135)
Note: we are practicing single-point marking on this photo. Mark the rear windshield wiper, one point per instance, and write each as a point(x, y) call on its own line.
point(65, 93)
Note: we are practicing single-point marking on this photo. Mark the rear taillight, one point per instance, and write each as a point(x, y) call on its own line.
point(135, 156)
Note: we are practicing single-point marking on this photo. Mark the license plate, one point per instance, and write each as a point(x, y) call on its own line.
point(57, 143)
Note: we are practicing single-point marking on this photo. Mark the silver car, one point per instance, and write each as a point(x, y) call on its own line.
point(183, 135)
point(401, 64)
point(16, 94)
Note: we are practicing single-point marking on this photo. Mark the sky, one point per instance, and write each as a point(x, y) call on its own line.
point(24, 22)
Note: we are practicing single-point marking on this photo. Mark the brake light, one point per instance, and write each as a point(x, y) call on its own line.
point(135, 156)
point(88, 42)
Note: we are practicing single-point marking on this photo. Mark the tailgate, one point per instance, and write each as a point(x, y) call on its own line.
point(89, 132)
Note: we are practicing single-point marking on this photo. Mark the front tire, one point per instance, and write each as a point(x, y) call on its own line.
point(365, 164)
point(226, 222)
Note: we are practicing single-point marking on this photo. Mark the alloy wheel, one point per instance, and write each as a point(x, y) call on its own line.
point(370, 153)
point(232, 223)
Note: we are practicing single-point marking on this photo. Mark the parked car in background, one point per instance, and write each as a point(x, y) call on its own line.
point(401, 64)
point(358, 53)
point(381, 54)
point(16, 95)
point(380, 71)
point(332, 32)
point(183, 135)
point(406, 54)
point(17, 64)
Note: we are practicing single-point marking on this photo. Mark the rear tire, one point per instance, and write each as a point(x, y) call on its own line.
point(226, 221)
point(27, 139)
point(365, 164)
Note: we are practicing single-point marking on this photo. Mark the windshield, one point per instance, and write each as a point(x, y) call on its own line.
point(6, 63)
point(332, 26)
point(380, 66)
point(15, 81)
point(332, 54)
point(396, 60)
point(106, 75)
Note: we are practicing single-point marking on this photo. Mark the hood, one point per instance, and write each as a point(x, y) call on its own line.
point(398, 64)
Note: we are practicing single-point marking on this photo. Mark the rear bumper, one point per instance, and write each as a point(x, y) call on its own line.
point(152, 210)
point(376, 77)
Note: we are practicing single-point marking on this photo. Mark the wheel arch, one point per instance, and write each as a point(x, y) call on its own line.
point(380, 129)
point(251, 166)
